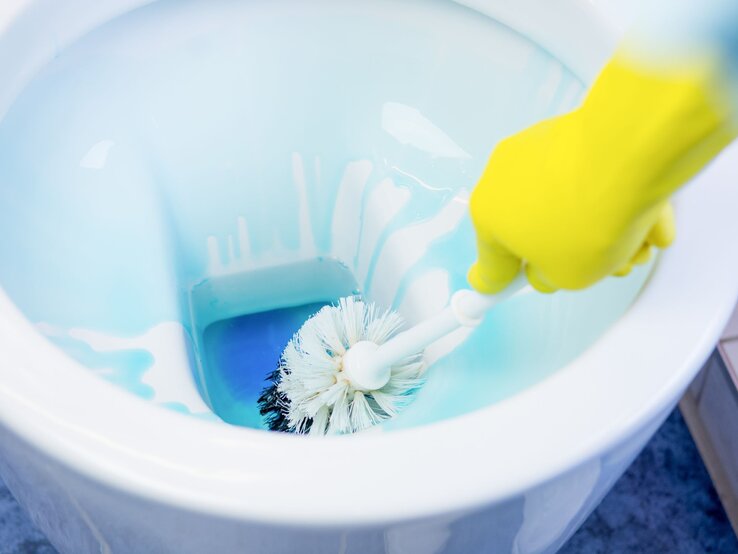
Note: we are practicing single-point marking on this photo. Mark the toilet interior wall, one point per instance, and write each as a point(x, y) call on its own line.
point(150, 177)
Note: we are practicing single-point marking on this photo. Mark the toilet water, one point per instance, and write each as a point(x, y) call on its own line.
point(244, 321)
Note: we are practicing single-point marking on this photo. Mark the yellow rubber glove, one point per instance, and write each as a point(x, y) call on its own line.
point(582, 196)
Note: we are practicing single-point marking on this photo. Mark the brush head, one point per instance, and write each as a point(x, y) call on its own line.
point(310, 392)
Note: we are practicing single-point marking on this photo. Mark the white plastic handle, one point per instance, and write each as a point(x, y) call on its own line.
point(368, 366)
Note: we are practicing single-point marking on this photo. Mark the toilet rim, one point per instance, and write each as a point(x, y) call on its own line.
point(121, 441)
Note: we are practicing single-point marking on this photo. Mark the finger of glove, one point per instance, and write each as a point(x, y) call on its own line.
point(639, 258)
point(643, 255)
point(538, 280)
point(495, 267)
point(624, 270)
point(663, 232)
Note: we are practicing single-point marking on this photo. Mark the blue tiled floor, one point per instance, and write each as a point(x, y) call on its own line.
point(665, 503)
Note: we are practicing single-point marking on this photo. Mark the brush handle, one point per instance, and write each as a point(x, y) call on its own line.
point(466, 309)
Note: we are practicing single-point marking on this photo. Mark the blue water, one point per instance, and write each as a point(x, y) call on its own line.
point(241, 351)
point(244, 320)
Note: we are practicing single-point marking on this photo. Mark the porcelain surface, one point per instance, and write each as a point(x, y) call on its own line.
point(121, 474)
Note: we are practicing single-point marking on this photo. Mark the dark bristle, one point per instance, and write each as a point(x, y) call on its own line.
point(272, 405)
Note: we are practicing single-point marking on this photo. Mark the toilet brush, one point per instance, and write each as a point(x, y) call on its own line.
point(350, 367)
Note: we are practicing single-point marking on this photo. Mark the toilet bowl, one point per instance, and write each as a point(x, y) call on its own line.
point(184, 182)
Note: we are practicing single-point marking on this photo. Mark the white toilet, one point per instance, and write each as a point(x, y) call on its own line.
point(177, 178)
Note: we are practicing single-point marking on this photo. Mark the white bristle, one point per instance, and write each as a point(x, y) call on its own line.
point(311, 371)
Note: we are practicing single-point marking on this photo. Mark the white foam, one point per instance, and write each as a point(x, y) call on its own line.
point(409, 126)
point(97, 156)
point(346, 224)
point(385, 201)
point(170, 374)
point(407, 246)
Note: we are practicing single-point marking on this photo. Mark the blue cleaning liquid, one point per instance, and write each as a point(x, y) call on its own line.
point(240, 352)
point(243, 322)
point(124, 368)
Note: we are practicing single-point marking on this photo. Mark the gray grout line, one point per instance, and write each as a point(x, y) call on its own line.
point(712, 460)
point(730, 364)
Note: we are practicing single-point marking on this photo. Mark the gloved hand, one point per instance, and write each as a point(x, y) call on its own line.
point(585, 195)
